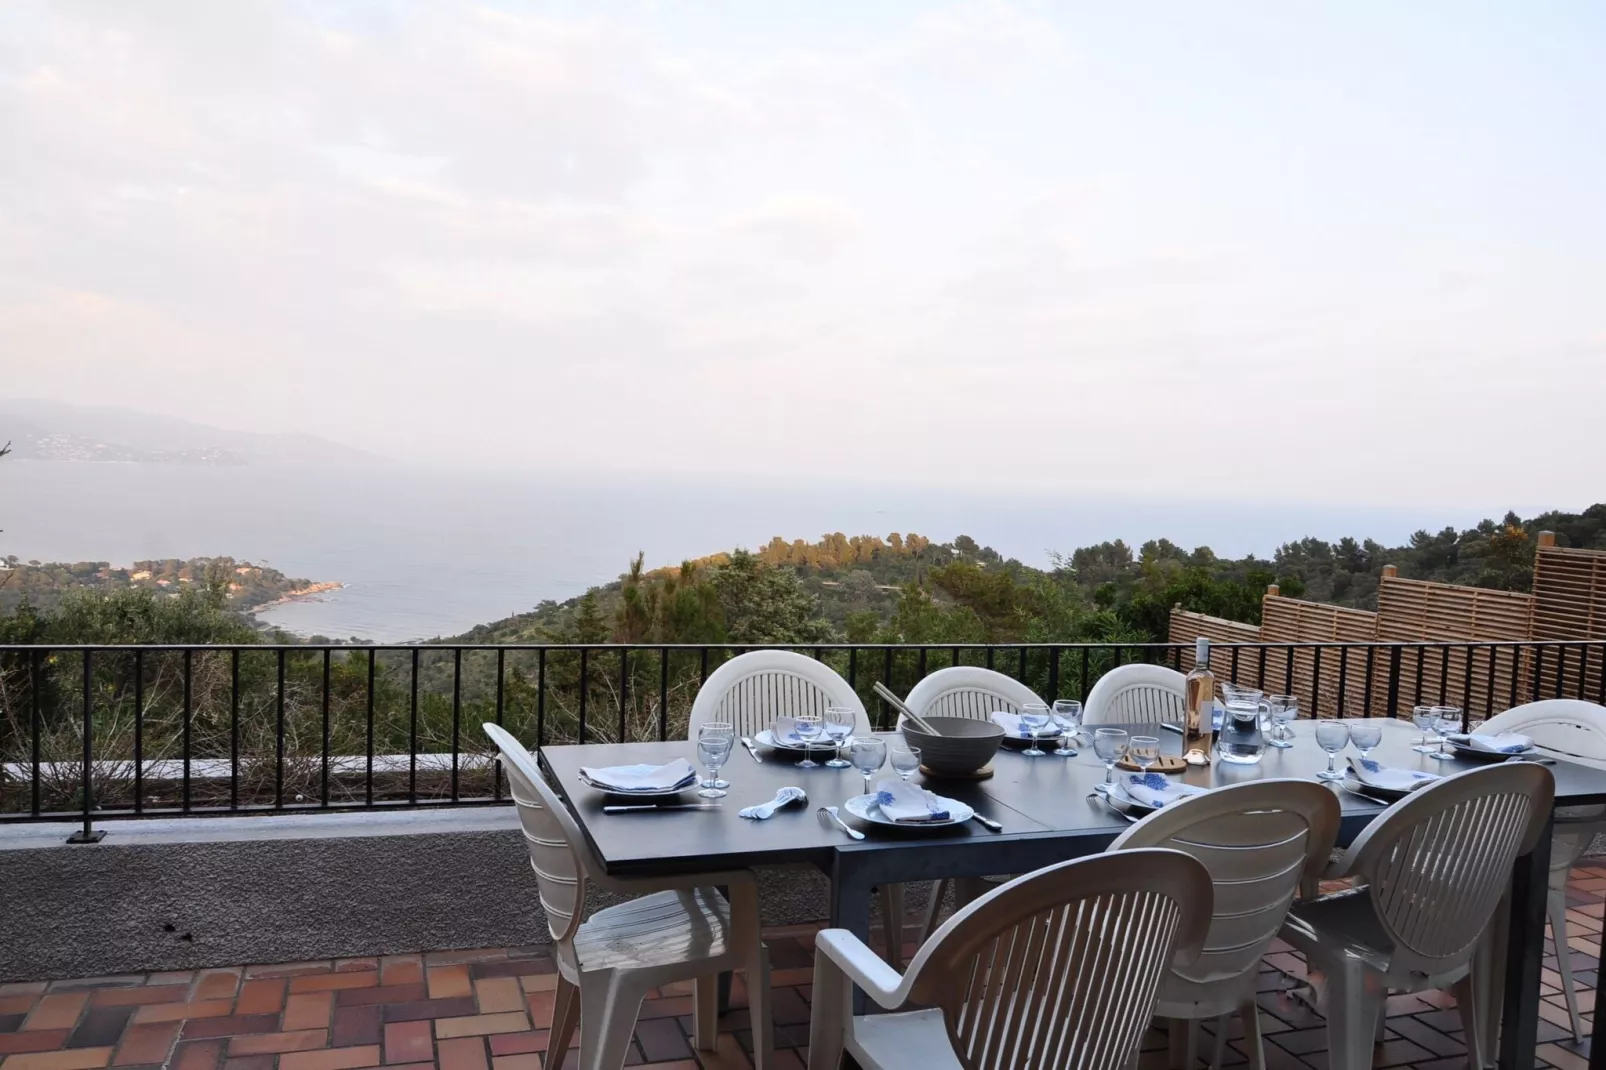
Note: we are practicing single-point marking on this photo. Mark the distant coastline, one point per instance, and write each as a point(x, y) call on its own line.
point(309, 593)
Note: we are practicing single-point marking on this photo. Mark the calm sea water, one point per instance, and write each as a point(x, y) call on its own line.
point(426, 553)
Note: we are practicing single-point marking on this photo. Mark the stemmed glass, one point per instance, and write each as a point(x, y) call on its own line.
point(1426, 718)
point(1284, 708)
point(1332, 736)
point(839, 721)
point(1365, 737)
point(868, 755)
point(1034, 716)
point(807, 726)
point(1447, 719)
point(1144, 751)
point(1067, 717)
point(1109, 744)
point(905, 761)
point(717, 728)
point(713, 749)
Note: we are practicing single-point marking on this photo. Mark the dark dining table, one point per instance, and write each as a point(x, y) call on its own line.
point(1048, 814)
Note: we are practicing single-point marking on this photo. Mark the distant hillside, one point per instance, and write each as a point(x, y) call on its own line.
point(54, 431)
point(246, 587)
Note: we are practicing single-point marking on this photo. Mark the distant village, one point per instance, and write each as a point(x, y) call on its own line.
point(249, 586)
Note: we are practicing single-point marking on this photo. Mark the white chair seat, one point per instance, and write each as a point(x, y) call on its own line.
point(656, 930)
point(912, 1038)
point(1344, 919)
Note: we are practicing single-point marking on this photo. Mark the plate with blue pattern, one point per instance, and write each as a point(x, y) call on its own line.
point(865, 809)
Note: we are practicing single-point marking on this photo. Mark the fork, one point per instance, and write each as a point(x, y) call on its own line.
point(828, 816)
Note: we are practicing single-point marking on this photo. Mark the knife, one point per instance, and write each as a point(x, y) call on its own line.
point(986, 822)
point(752, 750)
point(633, 808)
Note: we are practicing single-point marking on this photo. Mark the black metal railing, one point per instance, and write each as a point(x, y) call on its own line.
point(96, 732)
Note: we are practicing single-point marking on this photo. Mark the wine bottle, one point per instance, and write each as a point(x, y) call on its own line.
point(1199, 689)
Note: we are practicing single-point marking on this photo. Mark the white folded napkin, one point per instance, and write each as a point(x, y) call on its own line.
point(1504, 743)
point(1374, 774)
point(1010, 723)
point(903, 803)
point(1155, 790)
point(643, 778)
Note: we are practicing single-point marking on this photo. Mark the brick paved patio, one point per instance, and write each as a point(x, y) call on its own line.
point(489, 1010)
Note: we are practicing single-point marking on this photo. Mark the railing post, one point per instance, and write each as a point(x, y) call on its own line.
point(1394, 680)
point(1053, 673)
point(88, 834)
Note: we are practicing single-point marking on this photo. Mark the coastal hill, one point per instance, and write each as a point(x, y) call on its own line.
point(247, 587)
point(53, 431)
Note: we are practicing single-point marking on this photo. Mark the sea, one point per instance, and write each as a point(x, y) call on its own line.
point(427, 552)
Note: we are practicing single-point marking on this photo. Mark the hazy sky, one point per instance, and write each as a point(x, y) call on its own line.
point(1339, 252)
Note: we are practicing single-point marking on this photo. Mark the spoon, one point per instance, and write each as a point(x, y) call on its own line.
point(828, 816)
point(782, 798)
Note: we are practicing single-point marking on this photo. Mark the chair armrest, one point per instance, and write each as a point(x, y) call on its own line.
point(862, 966)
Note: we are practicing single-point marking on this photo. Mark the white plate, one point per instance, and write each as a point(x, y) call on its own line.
point(864, 808)
point(1353, 785)
point(666, 793)
point(1473, 754)
point(766, 738)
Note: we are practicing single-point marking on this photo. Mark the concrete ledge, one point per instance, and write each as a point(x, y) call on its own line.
point(198, 892)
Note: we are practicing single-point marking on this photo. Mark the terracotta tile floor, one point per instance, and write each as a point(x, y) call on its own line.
point(489, 1010)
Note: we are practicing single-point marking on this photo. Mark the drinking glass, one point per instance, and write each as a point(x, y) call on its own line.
point(839, 722)
point(1365, 737)
point(1332, 737)
point(1284, 709)
point(1067, 717)
point(713, 750)
point(1447, 719)
point(867, 755)
point(1109, 744)
point(1425, 718)
point(905, 761)
point(721, 729)
point(807, 727)
point(1144, 751)
point(1033, 716)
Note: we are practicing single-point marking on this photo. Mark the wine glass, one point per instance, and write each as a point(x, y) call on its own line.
point(1067, 716)
point(905, 761)
point(1109, 744)
point(1284, 709)
point(1365, 737)
point(1144, 751)
point(717, 728)
point(807, 726)
point(867, 755)
point(838, 726)
point(1332, 736)
point(1447, 719)
point(713, 749)
point(1425, 718)
point(1033, 717)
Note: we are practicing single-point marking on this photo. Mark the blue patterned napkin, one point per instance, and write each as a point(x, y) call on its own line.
point(1374, 774)
point(903, 803)
point(1504, 743)
point(1155, 790)
point(626, 779)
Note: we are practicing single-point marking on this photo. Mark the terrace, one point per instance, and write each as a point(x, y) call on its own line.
point(333, 817)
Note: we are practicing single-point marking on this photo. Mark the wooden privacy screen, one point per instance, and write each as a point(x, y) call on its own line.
point(1569, 602)
point(1482, 681)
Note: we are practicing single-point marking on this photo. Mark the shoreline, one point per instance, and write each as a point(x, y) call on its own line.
point(312, 590)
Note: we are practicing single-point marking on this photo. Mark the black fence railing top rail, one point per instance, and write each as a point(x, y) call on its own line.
point(806, 648)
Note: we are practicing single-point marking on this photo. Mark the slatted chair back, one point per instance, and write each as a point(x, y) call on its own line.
point(1059, 968)
point(967, 691)
point(751, 690)
point(1257, 840)
point(554, 840)
point(1437, 862)
point(1136, 694)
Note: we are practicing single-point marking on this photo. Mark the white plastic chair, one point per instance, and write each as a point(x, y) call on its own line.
point(675, 929)
point(1574, 730)
point(751, 690)
point(967, 691)
point(1137, 694)
point(1256, 840)
point(1055, 970)
point(1436, 864)
point(962, 691)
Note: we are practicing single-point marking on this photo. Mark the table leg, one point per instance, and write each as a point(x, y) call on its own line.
point(850, 906)
point(1525, 949)
point(1597, 1036)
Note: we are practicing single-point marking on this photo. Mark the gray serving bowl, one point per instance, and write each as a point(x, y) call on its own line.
point(964, 746)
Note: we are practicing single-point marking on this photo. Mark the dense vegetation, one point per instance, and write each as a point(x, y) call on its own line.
point(43, 585)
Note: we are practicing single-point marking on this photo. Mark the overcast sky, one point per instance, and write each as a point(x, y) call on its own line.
point(1341, 252)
